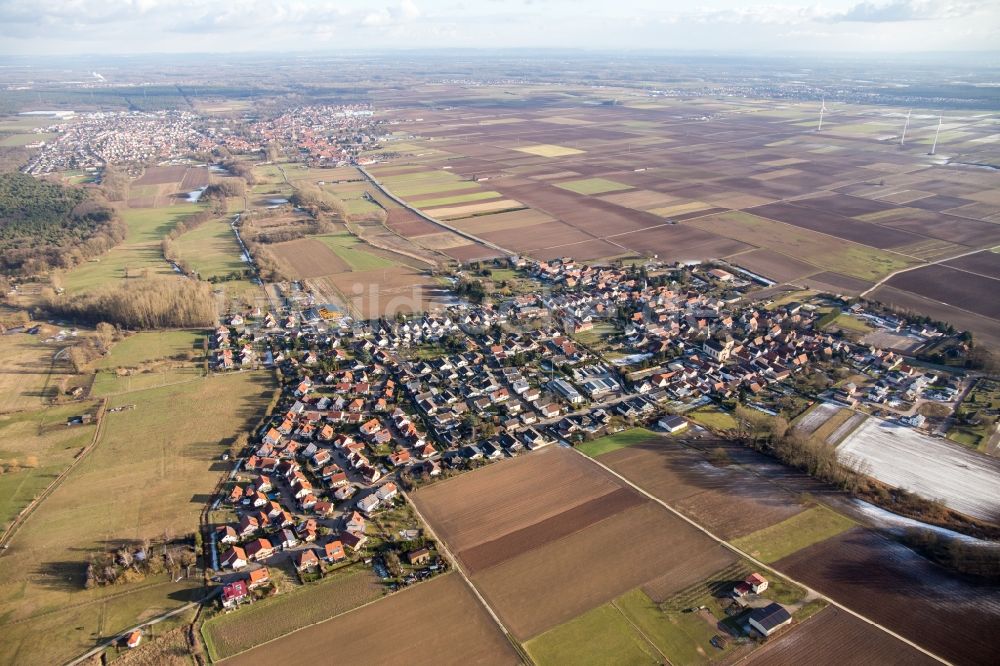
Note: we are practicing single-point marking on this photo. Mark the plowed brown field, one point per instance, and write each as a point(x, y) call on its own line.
point(835, 638)
point(950, 616)
point(436, 622)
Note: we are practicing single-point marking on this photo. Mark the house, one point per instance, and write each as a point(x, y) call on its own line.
point(306, 560)
point(368, 504)
point(235, 558)
point(672, 424)
point(258, 577)
point(133, 639)
point(356, 522)
point(333, 551)
point(387, 491)
point(400, 458)
point(259, 549)
point(420, 556)
point(353, 541)
point(756, 582)
point(227, 534)
point(234, 593)
point(769, 619)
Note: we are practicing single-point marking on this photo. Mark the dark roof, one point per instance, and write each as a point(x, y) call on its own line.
point(770, 616)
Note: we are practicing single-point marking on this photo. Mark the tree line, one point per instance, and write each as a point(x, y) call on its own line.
point(140, 304)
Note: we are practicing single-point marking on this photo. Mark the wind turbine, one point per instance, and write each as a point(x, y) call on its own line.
point(822, 110)
point(902, 137)
point(938, 131)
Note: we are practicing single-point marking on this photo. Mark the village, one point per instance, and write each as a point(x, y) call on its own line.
point(373, 409)
point(322, 135)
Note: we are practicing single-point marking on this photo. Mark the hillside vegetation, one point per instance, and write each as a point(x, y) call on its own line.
point(45, 225)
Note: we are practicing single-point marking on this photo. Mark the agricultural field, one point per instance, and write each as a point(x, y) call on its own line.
point(722, 497)
point(157, 483)
point(344, 590)
point(833, 637)
point(839, 211)
point(140, 252)
point(887, 582)
point(544, 521)
point(936, 469)
point(416, 626)
point(593, 186)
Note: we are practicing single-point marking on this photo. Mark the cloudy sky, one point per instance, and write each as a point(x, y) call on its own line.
point(143, 26)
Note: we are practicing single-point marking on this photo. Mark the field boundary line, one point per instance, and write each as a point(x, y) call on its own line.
point(461, 571)
point(639, 631)
point(764, 566)
point(888, 277)
point(26, 512)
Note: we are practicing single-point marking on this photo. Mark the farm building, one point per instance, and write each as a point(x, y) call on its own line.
point(756, 582)
point(769, 619)
point(672, 424)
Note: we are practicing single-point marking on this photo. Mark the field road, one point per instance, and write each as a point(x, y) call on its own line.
point(443, 225)
point(760, 564)
point(18, 521)
point(458, 567)
point(148, 623)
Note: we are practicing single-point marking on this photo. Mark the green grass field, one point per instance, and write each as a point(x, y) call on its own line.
point(713, 418)
point(211, 250)
point(617, 441)
point(682, 637)
point(43, 446)
point(12, 140)
point(152, 345)
point(849, 323)
point(789, 536)
point(457, 199)
point(351, 249)
point(150, 225)
point(593, 186)
point(339, 592)
point(149, 475)
point(138, 254)
point(599, 636)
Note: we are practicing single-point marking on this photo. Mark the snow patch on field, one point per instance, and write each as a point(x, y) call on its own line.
point(820, 414)
point(933, 468)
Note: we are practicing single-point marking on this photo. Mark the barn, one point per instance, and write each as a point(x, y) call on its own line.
point(769, 619)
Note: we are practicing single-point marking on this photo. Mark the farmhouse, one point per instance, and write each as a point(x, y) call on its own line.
point(769, 619)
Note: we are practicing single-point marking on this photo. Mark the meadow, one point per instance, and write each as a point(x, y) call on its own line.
point(148, 476)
